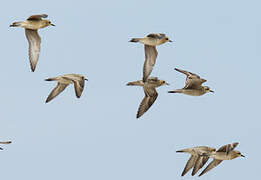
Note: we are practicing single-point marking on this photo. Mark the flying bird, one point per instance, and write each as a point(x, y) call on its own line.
point(226, 152)
point(31, 25)
point(63, 81)
point(150, 42)
point(193, 85)
point(149, 87)
point(196, 160)
point(5, 142)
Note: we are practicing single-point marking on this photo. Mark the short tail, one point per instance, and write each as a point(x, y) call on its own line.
point(180, 151)
point(175, 91)
point(183, 150)
point(50, 79)
point(135, 83)
point(16, 24)
point(135, 40)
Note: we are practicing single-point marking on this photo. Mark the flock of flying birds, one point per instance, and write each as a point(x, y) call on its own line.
point(201, 154)
point(193, 87)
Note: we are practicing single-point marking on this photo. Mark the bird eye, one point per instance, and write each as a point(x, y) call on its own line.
point(163, 81)
point(167, 39)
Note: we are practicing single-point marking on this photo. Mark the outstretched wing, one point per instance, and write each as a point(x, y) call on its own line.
point(150, 59)
point(187, 73)
point(34, 41)
point(78, 87)
point(190, 164)
point(37, 17)
point(211, 165)
point(193, 81)
point(228, 147)
point(200, 162)
point(150, 97)
point(56, 91)
point(156, 36)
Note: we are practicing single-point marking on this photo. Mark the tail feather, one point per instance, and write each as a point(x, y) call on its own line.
point(50, 79)
point(16, 24)
point(135, 40)
point(184, 150)
point(174, 91)
point(135, 83)
point(180, 151)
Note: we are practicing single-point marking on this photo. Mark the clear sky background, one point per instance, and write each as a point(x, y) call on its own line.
point(97, 137)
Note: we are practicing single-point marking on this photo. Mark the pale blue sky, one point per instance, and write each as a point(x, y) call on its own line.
point(97, 137)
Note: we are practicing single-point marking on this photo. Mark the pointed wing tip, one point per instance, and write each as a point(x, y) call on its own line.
point(201, 173)
point(32, 67)
point(140, 113)
point(179, 70)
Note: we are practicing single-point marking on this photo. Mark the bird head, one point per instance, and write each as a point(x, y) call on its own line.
point(237, 154)
point(162, 82)
point(207, 89)
point(166, 39)
point(48, 23)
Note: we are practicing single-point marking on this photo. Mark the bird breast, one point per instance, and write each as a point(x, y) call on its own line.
point(151, 41)
point(193, 92)
point(34, 25)
point(223, 156)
